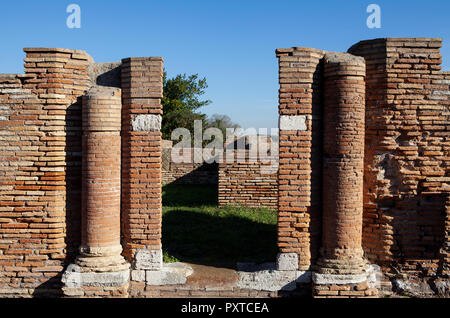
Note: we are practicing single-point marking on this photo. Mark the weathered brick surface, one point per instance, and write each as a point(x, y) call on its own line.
point(98, 292)
point(41, 169)
point(141, 155)
point(361, 290)
point(300, 166)
point(249, 182)
point(343, 156)
point(187, 172)
point(101, 169)
point(445, 251)
point(407, 152)
point(406, 165)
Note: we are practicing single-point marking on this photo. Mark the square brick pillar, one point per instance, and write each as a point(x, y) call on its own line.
point(142, 90)
point(300, 145)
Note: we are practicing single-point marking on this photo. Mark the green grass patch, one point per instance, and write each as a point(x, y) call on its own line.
point(169, 258)
point(195, 230)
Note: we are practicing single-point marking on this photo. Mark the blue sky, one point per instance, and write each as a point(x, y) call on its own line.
point(230, 42)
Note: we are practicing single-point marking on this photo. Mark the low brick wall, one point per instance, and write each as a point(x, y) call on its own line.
point(187, 172)
point(252, 184)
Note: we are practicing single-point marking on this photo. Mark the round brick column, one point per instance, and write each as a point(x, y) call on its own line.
point(101, 164)
point(343, 151)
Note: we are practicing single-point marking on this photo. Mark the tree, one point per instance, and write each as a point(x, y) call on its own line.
point(221, 122)
point(181, 101)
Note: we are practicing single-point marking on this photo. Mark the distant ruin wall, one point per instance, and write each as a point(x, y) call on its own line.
point(187, 173)
point(250, 183)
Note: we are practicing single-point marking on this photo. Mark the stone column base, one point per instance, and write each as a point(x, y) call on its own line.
point(326, 285)
point(80, 282)
point(97, 272)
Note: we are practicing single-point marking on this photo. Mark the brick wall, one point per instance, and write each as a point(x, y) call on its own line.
point(251, 183)
point(41, 141)
point(187, 172)
point(445, 251)
point(407, 152)
point(406, 162)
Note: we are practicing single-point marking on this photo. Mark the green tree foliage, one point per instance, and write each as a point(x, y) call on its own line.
point(181, 101)
point(222, 122)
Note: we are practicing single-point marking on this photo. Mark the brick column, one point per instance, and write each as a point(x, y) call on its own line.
point(343, 162)
point(299, 175)
point(100, 262)
point(101, 177)
point(342, 270)
point(141, 161)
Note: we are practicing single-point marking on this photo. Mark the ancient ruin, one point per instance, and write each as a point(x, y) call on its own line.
point(362, 186)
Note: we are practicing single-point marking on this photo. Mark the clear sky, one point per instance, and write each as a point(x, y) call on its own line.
point(230, 42)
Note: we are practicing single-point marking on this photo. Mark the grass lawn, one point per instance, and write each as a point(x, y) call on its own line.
point(195, 230)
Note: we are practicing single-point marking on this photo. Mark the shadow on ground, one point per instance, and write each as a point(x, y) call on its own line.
point(200, 238)
point(195, 230)
point(189, 195)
